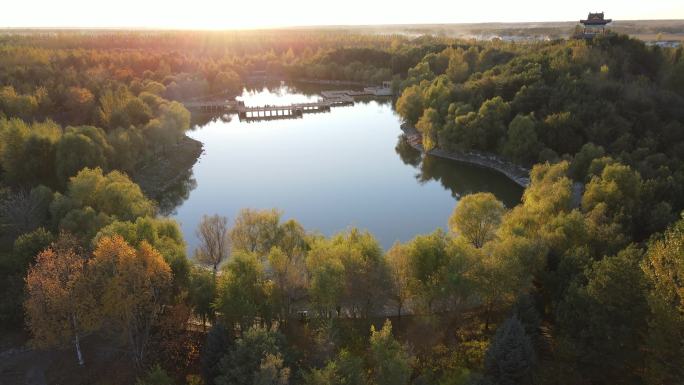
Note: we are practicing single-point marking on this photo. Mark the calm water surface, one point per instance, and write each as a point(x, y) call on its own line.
point(330, 171)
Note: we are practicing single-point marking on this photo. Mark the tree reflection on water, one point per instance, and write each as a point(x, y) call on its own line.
point(458, 177)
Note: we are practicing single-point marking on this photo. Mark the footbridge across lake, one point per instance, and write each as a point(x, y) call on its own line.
point(328, 100)
point(294, 110)
point(252, 113)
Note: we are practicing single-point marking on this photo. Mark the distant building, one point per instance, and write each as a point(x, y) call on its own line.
point(595, 24)
point(384, 90)
point(665, 43)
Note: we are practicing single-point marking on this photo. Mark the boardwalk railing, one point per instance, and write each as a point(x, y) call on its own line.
point(250, 113)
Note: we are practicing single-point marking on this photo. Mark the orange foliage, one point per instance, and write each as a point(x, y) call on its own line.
point(134, 284)
point(60, 304)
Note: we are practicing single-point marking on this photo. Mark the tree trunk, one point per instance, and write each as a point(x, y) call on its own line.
point(134, 346)
point(79, 355)
point(77, 342)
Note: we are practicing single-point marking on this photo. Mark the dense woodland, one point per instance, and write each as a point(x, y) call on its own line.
point(580, 287)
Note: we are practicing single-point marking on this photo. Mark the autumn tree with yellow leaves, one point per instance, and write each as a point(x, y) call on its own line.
point(60, 304)
point(133, 284)
point(120, 287)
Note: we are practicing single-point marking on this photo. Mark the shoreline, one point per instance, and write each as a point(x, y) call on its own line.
point(254, 78)
point(518, 174)
point(167, 168)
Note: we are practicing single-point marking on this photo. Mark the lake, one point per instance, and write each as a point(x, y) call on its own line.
point(330, 171)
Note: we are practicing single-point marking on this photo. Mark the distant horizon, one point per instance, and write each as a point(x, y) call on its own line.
point(274, 14)
point(310, 26)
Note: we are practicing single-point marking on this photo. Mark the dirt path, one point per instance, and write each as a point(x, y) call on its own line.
point(25, 366)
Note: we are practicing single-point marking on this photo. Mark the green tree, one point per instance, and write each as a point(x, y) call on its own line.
point(202, 293)
point(106, 196)
point(17, 105)
point(398, 262)
point(128, 148)
point(465, 134)
point(111, 110)
point(327, 278)
point(438, 96)
point(549, 192)
point(436, 270)
point(429, 125)
point(242, 292)
point(491, 118)
point(390, 364)
point(502, 270)
point(84, 222)
point(663, 266)
point(561, 132)
point(458, 69)
point(216, 345)
point(14, 266)
point(13, 136)
point(168, 127)
point(616, 193)
point(579, 168)
point(420, 72)
point(347, 273)
point(256, 231)
point(410, 104)
point(293, 239)
point(522, 145)
point(510, 356)
point(156, 376)
point(365, 276)
point(476, 218)
point(601, 322)
point(75, 151)
point(28, 245)
point(289, 275)
point(39, 167)
point(137, 112)
point(287, 262)
point(345, 369)
point(252, 358)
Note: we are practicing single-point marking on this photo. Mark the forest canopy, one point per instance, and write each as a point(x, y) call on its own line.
point(578, 283)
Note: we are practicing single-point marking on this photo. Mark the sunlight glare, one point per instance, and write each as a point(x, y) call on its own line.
point(222, 15)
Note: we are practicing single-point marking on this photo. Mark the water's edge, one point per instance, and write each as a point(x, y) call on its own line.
point(518, 174)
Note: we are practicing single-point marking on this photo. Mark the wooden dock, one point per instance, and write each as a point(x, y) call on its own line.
point(280, 112)
point(328, 100)
point(211, 105)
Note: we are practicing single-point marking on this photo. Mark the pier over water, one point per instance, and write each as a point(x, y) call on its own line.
point(328, 100)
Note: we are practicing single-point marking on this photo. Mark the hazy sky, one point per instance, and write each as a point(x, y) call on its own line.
point(231, 14)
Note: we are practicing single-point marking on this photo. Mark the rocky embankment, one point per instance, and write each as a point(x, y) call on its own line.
point(518, 174)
